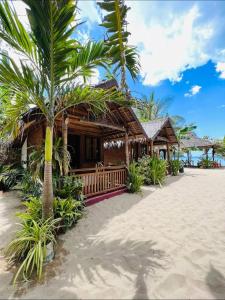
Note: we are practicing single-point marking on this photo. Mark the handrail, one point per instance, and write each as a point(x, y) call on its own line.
point(102, 182)
point(75, 171)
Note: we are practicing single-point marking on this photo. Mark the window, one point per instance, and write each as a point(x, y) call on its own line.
point(92, 149)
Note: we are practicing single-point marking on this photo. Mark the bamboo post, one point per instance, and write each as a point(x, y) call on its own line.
point(168, 151)
point(151, 148)
point(126, 149)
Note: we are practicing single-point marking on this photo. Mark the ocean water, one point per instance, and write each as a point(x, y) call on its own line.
point(197, 155)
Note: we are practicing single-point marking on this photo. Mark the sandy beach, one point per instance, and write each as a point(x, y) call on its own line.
point(166, 243)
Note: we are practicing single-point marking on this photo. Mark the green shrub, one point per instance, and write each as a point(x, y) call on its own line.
point(30, 186)
point(29, 247)
point(158, 169)
point(9, 176)
point(33, 210)
point(68, 210)
point(68, 187)
point(153, 169)
point(144, 168)
point(174, 167)
point(206, 163)
point(135, 180)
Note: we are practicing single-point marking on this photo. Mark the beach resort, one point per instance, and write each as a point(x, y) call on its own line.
point(111, 179)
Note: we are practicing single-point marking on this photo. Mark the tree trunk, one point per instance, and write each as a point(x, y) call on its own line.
point(47, 196)
point(65, 143)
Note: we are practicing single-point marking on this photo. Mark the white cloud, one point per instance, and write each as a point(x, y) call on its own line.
point(221, 106)
point(195, 89)
point(88, 12)
point(220, 68)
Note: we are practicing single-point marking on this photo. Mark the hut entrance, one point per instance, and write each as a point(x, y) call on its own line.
point(74, 150)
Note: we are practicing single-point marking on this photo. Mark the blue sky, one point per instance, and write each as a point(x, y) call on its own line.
point(182, 54)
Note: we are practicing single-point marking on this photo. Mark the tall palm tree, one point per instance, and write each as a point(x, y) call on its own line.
point(47, 74)
point(125, 57)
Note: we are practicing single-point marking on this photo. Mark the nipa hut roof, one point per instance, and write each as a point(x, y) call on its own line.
point(158, 128)
point(193, 141)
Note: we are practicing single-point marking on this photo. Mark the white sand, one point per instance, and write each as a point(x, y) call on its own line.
point(169, 243)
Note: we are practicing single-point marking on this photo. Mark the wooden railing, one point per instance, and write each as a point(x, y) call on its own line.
point(103, 180)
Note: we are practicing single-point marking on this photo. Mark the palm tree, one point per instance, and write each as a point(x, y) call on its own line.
point(125, 57)
point(47, 74)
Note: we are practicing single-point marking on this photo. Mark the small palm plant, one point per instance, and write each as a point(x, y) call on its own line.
point(48, 73)
point(30, 247)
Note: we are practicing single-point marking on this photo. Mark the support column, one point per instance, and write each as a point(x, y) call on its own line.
point(168, 151)
point(151, 148)
point(213, 153)
point(127, 150)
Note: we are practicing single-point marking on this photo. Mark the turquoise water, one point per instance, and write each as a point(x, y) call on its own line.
point(197, 155)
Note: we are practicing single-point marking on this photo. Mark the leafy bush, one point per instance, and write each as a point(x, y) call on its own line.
point(68, 210)
point(30, 186)
point(68, 187)
point(135, 180)
point(9, 176)
point(153, 169)
point(144, 168)
point(174, 167)
point(29, 247)
point(206, 163)
point(158, 170)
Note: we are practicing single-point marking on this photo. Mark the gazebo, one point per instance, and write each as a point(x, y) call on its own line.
point(192, 141)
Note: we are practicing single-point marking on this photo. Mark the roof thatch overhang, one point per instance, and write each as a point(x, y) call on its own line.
point(193, 141)
point(160, 131)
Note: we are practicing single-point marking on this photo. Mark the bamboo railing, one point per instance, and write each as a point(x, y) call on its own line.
point(102, 180)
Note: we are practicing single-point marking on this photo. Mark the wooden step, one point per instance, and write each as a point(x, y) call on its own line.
point(99, 198)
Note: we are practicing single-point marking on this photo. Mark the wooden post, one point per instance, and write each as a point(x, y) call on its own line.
point(213, 153)
point(168, 151)
point(127, 149)
point(151, 148)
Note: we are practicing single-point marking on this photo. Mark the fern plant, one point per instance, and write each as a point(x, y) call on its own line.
point(158, 169)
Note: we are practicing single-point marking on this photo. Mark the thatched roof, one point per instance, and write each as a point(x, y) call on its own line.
point(193, 141)
point(160, 129)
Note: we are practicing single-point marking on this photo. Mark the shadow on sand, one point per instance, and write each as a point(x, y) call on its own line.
point(216, 283)
point(83, 256)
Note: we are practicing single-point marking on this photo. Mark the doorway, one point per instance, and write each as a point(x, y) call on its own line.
point(74, 150)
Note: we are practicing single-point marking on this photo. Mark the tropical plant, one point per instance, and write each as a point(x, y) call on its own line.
point(37, 158)
point(68, 186)
point(29, 247)
point(158, 169)
point(33, 210)
point(30, 185)
point(68, 210)
point(135, 179)
point(47, 74)
point(9, 176)
point(144, 164)
point(125, 57)
point(175, 167)
point(220, 149)
point(205, 163)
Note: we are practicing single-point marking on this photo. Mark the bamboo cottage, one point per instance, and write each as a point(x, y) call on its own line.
point(101, 146)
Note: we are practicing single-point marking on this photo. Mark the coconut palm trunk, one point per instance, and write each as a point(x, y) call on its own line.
point(47, 197)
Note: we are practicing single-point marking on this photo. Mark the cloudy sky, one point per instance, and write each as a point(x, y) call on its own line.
point(182, 54)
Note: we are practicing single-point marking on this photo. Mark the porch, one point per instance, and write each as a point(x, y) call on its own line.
point(101, 180)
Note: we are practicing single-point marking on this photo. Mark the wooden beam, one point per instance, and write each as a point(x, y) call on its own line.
point(151, 148)
point(127, 149)
point(88, 123)
point(168, 151)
